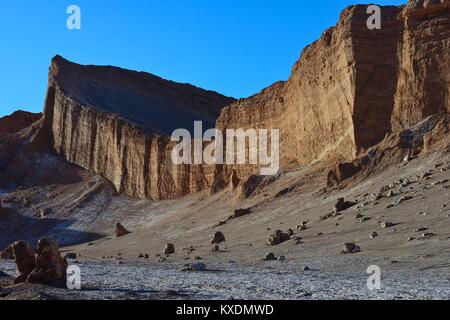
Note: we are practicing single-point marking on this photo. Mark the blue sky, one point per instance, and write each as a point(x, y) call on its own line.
point(235, 47)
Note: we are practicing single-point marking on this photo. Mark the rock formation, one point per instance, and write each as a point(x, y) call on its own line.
point(25, 260)
point(121, 230)
point(17, 121)
point(118, 123)
point(350, 91)
point(50, 267)
point(46, 267)
point(354, 86)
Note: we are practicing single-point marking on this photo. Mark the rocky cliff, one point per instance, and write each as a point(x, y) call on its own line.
point(347, 92)
point(117, 123)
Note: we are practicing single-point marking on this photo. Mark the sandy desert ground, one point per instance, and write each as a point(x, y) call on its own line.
point(413, 253)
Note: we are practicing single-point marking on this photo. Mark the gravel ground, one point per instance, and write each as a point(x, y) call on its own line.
point(138, 280)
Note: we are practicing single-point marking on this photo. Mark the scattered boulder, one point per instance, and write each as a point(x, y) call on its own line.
point(169, 249)
point(218, 238)
point(278, 237)
point(281, 258)
point(121, 231)
point(240, 213)
point(343, 205)
point(373, 235)
point(375, 197)
point(270, 257)
point(25, 260)
point(350, 248)
point(387, 224)
point(8, 253)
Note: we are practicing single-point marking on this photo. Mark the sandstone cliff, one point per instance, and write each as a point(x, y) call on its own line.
point(354, 86)
point(349, 90)
point(117, 123)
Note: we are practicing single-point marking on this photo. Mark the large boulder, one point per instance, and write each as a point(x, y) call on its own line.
point(169, 249)
point(50, 267)
point(218, 238)
point(342, 205)
point(25, 260)
point(121, 231)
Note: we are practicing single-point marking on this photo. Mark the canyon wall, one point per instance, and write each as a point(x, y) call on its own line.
point(354, 86)
point(347, 92)
point(117, 123)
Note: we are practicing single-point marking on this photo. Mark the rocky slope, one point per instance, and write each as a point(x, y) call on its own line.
point(16, 122)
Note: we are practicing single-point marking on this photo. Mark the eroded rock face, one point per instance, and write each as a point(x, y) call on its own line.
point(347, 92)
point(25, 260)
point(50, 267)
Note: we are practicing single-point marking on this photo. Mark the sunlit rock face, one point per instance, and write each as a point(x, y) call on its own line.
point(346, 93)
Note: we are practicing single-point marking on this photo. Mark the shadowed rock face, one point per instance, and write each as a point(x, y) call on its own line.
point(17, 121)
point(348, 91)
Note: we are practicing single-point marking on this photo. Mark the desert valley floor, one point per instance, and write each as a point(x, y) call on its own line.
point(412, 251)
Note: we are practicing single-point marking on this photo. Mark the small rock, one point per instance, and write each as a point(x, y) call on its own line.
point(270, 257)
point(343, 205)
point(281, 258)
point(386, 224)
point(169, 249)
point(350, 248)
point(240, 213)
point(373, 235)
point(218, 238)
point(278, 237)
point(121, 231)
point(306, 268)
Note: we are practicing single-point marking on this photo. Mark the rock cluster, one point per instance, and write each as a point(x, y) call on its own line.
point(279, 237)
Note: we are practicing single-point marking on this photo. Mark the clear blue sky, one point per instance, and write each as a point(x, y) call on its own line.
point(236, 47)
